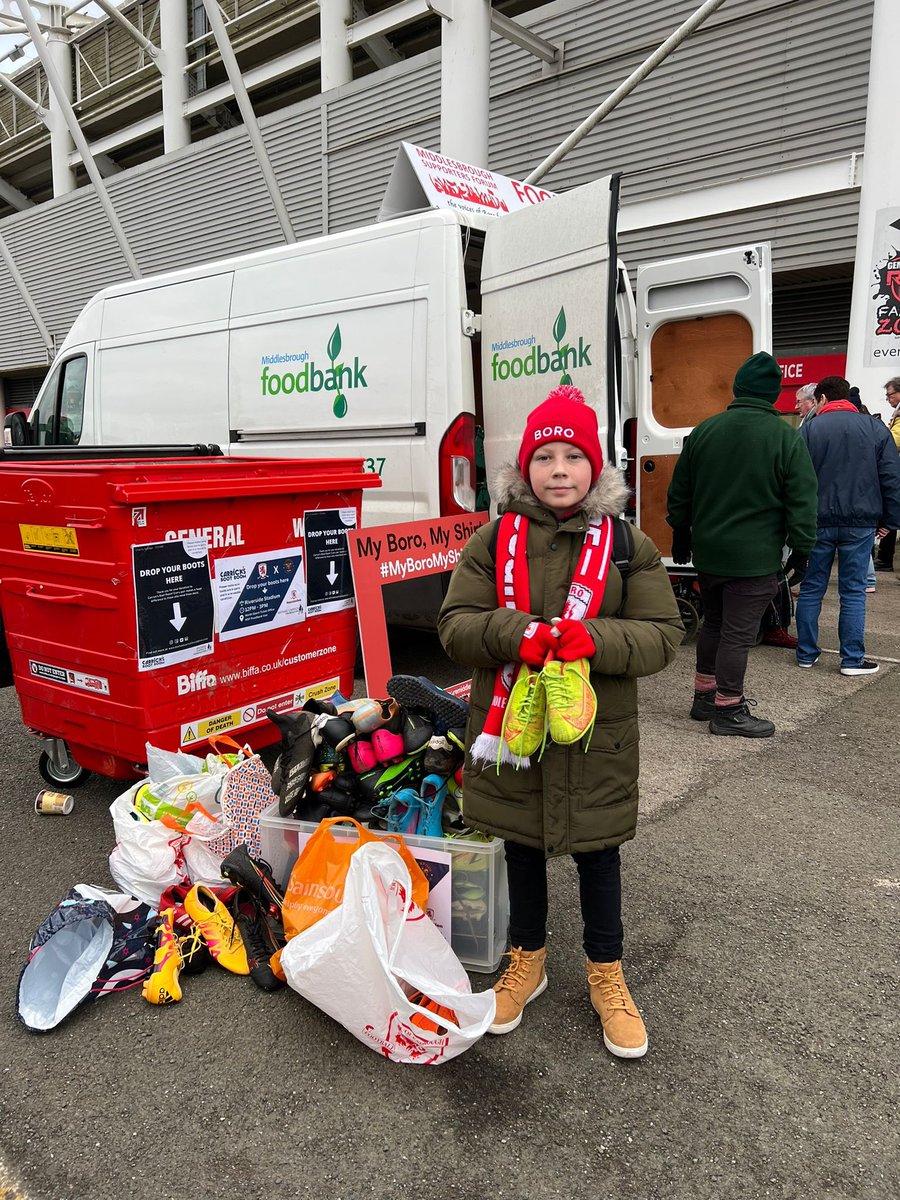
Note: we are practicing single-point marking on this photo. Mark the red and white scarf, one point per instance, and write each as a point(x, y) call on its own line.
point(514, 591)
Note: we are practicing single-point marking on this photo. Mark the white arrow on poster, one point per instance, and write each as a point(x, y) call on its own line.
point(173, 596)
point(329, 580)
point(256, 592)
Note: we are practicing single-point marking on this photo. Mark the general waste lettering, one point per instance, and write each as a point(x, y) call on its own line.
point(217, 535)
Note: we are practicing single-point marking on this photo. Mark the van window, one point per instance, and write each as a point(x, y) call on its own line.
point(71, 401)
point(45, 415)
point(59, 417)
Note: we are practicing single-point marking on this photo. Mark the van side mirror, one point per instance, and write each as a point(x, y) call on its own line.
point(16, 430)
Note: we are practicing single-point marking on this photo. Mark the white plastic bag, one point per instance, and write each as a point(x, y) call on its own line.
point(149, 856)
point(363, 961)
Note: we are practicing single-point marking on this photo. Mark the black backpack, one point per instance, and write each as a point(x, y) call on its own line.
point(622, 552)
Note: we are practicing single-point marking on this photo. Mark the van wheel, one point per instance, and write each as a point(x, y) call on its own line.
point(72, 775)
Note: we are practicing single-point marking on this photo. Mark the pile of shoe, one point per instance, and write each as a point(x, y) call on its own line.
point(393, 763)
point(237, 926)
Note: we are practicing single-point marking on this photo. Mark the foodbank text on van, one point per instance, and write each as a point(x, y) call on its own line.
point(536, 360)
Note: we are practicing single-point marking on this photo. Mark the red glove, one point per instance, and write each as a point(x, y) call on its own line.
point(537, 641)
point(573, 640)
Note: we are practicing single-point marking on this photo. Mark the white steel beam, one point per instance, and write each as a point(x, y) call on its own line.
point(58, 90)
point(392, 18)
point(230, 63)
point(378, 48)
point(132, 30)
point(466, 81)
point(760, 191)
point(624, 89)
point(513, 32)
point(59, 53)
point(38, 109)
point(337, 65)
point(13, 197)
point(173, 64)
point(276, 69)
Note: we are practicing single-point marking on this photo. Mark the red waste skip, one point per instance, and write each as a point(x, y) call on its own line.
point(165, 601)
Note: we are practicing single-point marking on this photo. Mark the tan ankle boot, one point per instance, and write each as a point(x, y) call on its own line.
point(521, 982)
point(623, 1030)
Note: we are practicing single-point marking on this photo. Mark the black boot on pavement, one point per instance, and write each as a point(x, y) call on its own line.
point(736, 721)
point(704, 705)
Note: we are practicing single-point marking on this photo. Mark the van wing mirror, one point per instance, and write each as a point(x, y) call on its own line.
point(16, 430)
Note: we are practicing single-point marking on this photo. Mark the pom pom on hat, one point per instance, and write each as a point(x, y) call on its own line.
point(565, 416)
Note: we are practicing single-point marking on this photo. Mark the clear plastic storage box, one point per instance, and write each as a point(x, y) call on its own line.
point(479, 900)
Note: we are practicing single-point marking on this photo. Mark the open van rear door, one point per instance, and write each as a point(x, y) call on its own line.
point(698, 318)
point(548, 282)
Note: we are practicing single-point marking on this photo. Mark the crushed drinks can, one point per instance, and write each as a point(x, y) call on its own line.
point(54, 802)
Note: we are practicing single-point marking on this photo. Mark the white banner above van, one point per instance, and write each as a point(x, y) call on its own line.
point(424, 179)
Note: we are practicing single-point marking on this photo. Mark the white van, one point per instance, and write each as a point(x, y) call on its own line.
point(392, 342)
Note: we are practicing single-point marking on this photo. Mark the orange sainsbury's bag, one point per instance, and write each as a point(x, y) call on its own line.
point(316, 885)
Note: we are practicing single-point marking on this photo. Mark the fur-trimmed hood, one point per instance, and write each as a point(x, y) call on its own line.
point(607, 497)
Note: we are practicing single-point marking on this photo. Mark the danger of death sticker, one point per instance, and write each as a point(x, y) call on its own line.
point(254, 711)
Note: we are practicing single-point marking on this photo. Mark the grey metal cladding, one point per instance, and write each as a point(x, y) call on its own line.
point(205, 202)
point(65, 252)
point(814, 231)
point(742, 93)
point(365, 127)
point(294, 142)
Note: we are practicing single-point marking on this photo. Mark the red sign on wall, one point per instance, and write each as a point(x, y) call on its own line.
point(803, 369)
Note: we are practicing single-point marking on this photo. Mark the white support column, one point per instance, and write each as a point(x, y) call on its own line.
point(465, 79)
point(173, 36)
point(61, 144)
point(337, 66)
point(880, 190)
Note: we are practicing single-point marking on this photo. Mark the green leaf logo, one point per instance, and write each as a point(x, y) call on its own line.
point(559, 326)
point(334, 343)
point(339, 407)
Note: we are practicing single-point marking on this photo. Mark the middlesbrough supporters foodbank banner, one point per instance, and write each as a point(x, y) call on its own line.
point(883, 316)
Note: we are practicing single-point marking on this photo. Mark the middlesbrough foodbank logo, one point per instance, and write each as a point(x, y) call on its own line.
point(338, 378)
point(567, 355)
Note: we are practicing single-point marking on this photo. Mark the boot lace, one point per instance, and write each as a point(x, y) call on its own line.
point(612, 988)
point(515, 975)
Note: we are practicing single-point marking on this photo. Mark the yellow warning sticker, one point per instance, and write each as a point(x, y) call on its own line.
point(49, 539)
point(322, 691)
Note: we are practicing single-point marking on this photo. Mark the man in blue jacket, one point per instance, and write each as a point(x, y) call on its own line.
point(858, 468)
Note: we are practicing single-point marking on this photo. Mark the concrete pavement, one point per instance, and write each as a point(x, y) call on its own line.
point(761, 909)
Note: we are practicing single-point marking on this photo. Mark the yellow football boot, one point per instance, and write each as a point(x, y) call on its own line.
point(526, 710)
point(571, 701)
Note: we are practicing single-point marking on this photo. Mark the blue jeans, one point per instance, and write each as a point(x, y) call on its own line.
point(853, 548)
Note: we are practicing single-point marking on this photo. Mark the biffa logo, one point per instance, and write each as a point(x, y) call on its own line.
point(538, 361)
point(337, 378)
point(196, 681)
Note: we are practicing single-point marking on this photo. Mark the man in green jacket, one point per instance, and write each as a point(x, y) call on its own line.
point(743, 486)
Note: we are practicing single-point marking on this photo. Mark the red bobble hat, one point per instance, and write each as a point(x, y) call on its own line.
point(564, 416)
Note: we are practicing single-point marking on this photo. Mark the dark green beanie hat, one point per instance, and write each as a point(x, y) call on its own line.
point(759, 376)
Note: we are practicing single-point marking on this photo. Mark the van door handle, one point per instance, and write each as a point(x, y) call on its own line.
point(35, 593)
point(75, 523)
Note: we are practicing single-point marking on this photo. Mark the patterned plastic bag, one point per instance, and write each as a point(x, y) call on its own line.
point(246, 792)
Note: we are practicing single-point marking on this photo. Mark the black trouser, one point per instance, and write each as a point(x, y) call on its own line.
point(732, 611)
point(601, 900)
point(886, 547)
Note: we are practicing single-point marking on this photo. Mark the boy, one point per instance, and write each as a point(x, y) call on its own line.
point(536, 595)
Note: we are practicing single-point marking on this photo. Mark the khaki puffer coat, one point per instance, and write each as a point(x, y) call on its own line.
point(572, 799)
